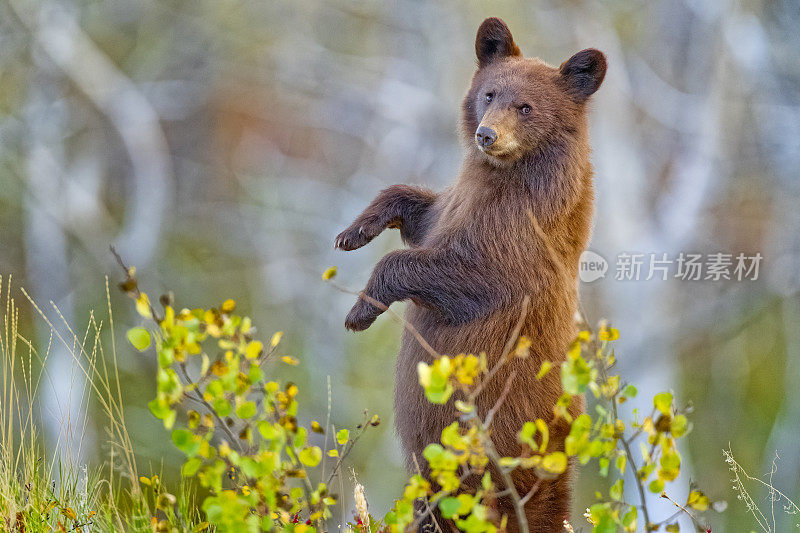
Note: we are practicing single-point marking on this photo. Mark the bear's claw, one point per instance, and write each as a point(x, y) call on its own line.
point(351, 239)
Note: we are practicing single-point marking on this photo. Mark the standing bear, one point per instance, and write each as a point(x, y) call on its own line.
point(513, 225)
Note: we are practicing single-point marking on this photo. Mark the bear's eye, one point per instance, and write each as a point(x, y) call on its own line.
point(525, 109)
point(489, 98)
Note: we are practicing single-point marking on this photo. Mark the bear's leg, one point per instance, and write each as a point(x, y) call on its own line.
point(400, 206)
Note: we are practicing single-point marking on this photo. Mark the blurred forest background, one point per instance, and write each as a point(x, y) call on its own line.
point(221, 145)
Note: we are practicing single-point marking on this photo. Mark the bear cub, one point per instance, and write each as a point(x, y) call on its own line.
point(513, 225)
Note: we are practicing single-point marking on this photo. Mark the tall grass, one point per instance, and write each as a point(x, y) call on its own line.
point(44, 488)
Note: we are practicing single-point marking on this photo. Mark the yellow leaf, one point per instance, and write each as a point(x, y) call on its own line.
point(276, 338)
point(143, 305)
point(289, 360)
point(523, 347)
point(254, 349)
point(329, 273)
point(544, 369)
point(228, 306)
point(543, 430)
point(464, 407)
point(145, 481)
point(608, 334)
point(333, 453)
point(698, 500)
point(310, 456)
point(555, 463)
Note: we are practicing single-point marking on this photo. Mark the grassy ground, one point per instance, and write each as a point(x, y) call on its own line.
point(42, 491)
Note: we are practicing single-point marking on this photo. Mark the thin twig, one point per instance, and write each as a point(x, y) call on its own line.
point(209, 407)
point(684, 509)
point(350, 446)
point(524, 499)
point(135, 286)
point(490, 415)
point(405, 323)
point(625, 444)
point(519, 508)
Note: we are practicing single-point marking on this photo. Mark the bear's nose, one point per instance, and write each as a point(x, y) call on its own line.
point(485, 137)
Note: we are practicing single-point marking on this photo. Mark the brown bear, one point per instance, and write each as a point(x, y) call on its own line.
point(513, 225)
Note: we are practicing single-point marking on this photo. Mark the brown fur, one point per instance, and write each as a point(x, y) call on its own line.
point(514, 224)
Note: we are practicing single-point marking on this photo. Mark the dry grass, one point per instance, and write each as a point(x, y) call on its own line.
point(46, 488)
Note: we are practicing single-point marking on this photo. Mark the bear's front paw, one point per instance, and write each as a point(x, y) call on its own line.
point(357, 236)
point(361, 316)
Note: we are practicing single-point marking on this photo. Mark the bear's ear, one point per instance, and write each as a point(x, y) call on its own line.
point(494, 42)
point(583, 73)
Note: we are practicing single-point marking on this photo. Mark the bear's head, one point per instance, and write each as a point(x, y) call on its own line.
point(517, 106)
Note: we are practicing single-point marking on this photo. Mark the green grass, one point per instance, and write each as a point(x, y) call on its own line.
point(48, 491)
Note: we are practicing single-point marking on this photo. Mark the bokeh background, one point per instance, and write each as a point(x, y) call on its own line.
point(221, 145)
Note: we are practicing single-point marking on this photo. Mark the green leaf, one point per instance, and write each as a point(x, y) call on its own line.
point(656, 486)
point(432, 451)
point(620, 463)
point(526, 434)
point(165, 357)
point(449, 507)
point(140, 338)
point(186, 441)
point(300, 437)
point(678, 426)
point(342, 436)
point(603, 464)
point(222, 407)
point(159, 408)
point(439, 397)
point(629, 520)
point(616, 490)
point(663, 402)
point(267, 430)
point(191, 466)
point(603, 518)
point(310, 456)
point(576, 374)
point(246, 410)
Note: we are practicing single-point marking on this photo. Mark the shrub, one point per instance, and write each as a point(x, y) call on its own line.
point(242, 440)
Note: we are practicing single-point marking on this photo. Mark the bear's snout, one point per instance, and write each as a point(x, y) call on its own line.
point(485, 137)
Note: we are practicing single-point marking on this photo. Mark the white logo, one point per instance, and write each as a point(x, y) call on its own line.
point(591, 266)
